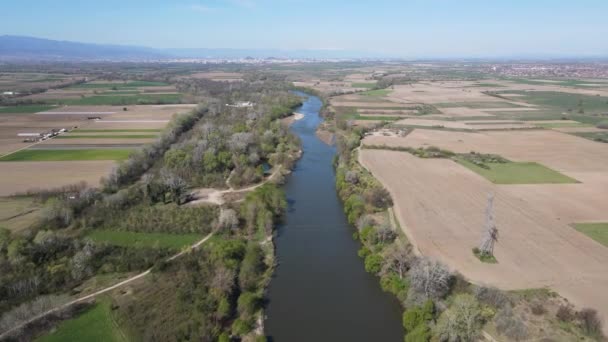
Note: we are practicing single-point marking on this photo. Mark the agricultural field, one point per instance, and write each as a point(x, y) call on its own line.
point(152, 240)
point(533, 222)
point(596, 231)
point(67, 155)
point(518, 173)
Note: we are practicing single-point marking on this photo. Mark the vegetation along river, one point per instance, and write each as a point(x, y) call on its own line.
point(320, 291)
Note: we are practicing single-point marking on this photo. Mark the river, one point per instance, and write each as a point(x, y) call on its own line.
point(320, 290)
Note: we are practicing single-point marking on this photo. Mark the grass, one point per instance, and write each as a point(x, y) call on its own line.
point(595, 136)
point(107, 136)
point(488, 259)
point(363, 85)
point(122, 100)
point(119, 85)
point(65, 155)
point(152, 240)
point(18, 213)
point(376, 93)
point(25, 109)
point(118, 130)
point(561, 124)
point(596, 231)
point(564, 102)
point(477, 105)
point(96, 324)
point(518, 173)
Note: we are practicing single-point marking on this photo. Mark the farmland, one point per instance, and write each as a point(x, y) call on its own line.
point(65, 155)
point(596, 231)
point(518, 173)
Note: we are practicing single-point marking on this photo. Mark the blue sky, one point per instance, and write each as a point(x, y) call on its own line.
point(405, 28)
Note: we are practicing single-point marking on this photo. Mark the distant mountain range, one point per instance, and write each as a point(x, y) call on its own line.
point(20, 48)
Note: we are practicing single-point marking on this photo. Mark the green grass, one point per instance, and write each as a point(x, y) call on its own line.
point(106, 136)
point(596, 231)
point(488, 259)
point(563, 102)
point(120, 85)
point(376, 93)
point(476, 105)
point(96, 324)
point(122, 100)
point(561, 124)
point(118, 130)
point(518, 173)
point(154, 240)
point(25, 109)
point(363, 85)
point(65, 155)
point(595, 136)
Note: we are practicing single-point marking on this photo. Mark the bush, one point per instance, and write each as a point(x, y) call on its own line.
point(248, 303)
point(373, 263)
point(491, 296)
point(416, 322)
point(510, 325)
point(565, 313)
point(590, 322)
point(537, 308)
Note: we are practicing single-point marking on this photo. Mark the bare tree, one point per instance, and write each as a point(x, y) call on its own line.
point(490, 235)
point(430, 278)
point(228, 219)
point(398, 259)
point(176, 185)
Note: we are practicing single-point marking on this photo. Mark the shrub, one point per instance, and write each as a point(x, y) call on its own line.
point(590, 322)
point(491, 296)
point(537, 308)
point(373, 263)
point(248, 303)
point(461, 321)
point(418, 315)
point(510, 325)
point(565, 313)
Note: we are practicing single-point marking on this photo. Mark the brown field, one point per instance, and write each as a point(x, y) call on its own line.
point(562, 152)
point(18, 213)
point(466, 125)
point(536, 246)
point(135, 117)
point(30, 175)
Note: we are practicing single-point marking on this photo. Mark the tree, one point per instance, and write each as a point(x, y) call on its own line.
point(398, 259)
point(176, 186)
point(228, 219)
point(461, 321)
point(490, 236)
point(430, 278)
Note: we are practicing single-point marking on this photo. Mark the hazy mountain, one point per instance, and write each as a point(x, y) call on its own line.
point(29, 48)
point(38, 49)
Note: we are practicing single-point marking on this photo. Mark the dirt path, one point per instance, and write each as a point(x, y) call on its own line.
point(216, 196)
point(102, 291)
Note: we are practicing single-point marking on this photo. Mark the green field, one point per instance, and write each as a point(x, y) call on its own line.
point(363, 85)
point(376, 93)
point(154, 240)
point(25, 109)
point(122, 100)
point(561, 124)
point(119, 85)
point(96, 324)
point(563, 102)
point(518, 173)
point(65, 155)
point(106, 136)
point(595, 136)
point(596, 231)
point(118, 130)
point(477, 105)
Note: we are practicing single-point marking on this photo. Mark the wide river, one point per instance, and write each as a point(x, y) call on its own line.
point(320, 291)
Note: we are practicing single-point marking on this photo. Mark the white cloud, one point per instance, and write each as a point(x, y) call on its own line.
point(201, 8)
